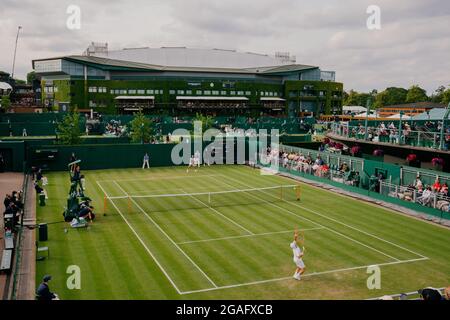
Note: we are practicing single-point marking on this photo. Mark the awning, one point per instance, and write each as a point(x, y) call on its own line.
point(272, 99)
point(135, 98)
point(215, 98)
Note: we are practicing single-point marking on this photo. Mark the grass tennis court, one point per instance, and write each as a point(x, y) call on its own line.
point(211, 243)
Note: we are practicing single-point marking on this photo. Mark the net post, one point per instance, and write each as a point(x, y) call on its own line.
point(297, 192)
point(105, 203)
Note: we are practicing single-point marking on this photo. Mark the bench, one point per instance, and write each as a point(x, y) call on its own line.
point(9, 243)
point(5, 266)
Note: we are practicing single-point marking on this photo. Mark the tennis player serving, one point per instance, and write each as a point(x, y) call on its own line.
point(298, 249)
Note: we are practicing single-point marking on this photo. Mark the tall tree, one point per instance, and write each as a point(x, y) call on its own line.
point(31, 76)
point(446, 97)
point(390, 96)
point(69, 132)
point(416, 94)
point(141, 128)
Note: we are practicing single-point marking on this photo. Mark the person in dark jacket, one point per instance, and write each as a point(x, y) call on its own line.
point(43, 292)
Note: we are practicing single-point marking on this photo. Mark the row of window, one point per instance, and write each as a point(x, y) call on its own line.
point(181, 92)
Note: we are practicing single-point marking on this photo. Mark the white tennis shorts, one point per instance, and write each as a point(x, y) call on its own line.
point(299, 263)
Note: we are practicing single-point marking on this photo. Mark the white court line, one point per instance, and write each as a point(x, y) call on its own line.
point(318, 224)
point(221, 214)
point(248, 235)
point(162, 178)
point(351, 227)
point(168, 237)
point(142, 242)
point(303, 276)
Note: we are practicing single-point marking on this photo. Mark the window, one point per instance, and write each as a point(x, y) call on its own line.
point(55, 89)
point(199, 92)
point(215, 92)
point(248, 93)
point(232, 93)
point(141, 91)
point(102, 90)
point(122, 91)
point(92, 104)
point(161, 91)
point(150, 91)
point(207, 92)
point(240, 93)
point(171, 91)
point(271, 94)
point(180, 92)
point(223, 93)
point(92, 89)
point(188, 92)
point(132, 91)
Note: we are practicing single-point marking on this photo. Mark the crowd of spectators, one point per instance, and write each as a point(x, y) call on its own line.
point(436, 195)
point(115, 128)
point(430, 131)
point(298, 162)
point(13, 206)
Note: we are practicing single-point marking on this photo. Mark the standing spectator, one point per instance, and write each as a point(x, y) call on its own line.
point(2, 163)
point(430, 294)
point(43, 292)
point(24, 132)
point(146, 161)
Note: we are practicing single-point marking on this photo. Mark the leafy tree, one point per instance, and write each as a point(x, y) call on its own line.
point(5, 103)
point(207, 121)
point(141, 128)
point(357, 99)
point(31, 76)
point(437, 95)
point(390, 96)
point(20, 81)
point(69, 128)
point(416, 94)
point(446, 97)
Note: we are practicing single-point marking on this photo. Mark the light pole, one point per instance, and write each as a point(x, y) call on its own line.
point(400, 128)
point(367, 118)
point(15, 50)
point(447, 112)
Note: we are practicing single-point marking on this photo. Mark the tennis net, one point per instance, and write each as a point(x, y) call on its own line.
point(196, 200)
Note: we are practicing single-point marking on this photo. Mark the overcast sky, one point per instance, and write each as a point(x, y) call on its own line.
point(412, 47)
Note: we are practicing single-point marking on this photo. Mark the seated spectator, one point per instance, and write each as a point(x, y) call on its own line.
point(425, 198)
point(444, 190)
point(418, 183)
point(436, 185)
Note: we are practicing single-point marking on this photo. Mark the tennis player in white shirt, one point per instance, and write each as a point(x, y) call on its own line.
point(298, 250)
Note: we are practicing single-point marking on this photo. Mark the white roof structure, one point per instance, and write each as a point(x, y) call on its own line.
point(212, 98)
point(397, 116)
point(190, 57)
point(5, 86)
point(352, 109)
point(433, 114)
point(135, 98)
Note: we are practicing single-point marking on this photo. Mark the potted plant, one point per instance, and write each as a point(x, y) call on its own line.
point(438, 163)
point(355, 150)
point(412, 160)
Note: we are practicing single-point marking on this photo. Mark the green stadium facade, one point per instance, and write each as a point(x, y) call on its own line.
point(113, 86)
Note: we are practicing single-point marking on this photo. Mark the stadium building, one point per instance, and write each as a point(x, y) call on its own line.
point(181, 81)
